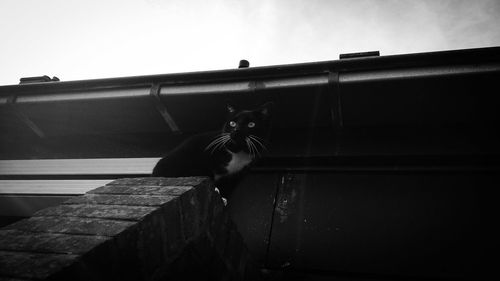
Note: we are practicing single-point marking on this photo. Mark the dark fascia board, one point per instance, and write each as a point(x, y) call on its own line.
point(479, 55)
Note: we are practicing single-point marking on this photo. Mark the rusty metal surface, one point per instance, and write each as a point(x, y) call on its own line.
point(419, 225)
point(251, 207)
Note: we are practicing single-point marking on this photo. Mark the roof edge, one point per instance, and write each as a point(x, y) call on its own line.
point(476, 55)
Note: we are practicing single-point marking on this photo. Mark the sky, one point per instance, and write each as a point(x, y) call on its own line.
point(89, 39)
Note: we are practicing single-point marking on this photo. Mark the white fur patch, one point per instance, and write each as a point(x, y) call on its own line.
point(238, 161)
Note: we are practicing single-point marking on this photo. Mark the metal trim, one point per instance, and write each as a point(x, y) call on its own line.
point(11, 105)
point(162, 109)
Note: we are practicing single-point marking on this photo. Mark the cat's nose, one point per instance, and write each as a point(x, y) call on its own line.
point(236, 135)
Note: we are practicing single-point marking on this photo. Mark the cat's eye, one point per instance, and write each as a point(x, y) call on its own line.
point(251, 125)
point(232, 124)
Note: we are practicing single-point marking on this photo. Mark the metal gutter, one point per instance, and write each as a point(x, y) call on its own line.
point(467, 56)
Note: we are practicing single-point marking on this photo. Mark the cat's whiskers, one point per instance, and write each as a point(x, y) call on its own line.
point(256, 149)
point(218, 138)
point(214, 142)
point(258, 140)
point(253, 143)
point(218, 142)
point(257, 137)
point(250, 148)
point(226, 139)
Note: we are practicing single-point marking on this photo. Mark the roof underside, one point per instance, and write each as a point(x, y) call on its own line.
point(388, 105)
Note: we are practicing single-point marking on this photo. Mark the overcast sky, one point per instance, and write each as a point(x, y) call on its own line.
point(88, 39)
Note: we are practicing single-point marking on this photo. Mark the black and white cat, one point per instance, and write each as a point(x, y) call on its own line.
point(222, 155)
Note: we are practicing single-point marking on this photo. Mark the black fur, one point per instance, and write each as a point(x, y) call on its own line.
point(244, 133)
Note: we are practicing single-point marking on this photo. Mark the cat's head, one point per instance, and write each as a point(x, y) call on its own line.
point(247, 129)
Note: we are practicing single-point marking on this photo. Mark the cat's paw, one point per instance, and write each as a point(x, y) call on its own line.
point(224, 200)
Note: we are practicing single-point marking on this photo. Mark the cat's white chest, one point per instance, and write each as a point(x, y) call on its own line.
point(238, 161)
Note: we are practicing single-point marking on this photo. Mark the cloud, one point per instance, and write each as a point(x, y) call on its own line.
point(94, 39)
point(466, 24)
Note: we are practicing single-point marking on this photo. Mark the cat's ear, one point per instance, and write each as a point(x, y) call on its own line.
point(265, 109)
point(231, 109)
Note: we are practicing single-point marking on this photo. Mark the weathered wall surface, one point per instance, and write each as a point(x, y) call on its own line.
point(130, 229)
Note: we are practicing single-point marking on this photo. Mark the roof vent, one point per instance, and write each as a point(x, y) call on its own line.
point(244, 64)
point(38, 79)
point(359, 55)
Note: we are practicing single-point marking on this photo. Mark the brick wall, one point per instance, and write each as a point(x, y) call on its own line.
point(130, 229)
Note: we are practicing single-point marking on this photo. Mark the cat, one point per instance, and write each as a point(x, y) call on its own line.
point(222, 155)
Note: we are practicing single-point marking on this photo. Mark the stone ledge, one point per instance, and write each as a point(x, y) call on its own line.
point(16, 240)
point(71, 225)
point(130, 229)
